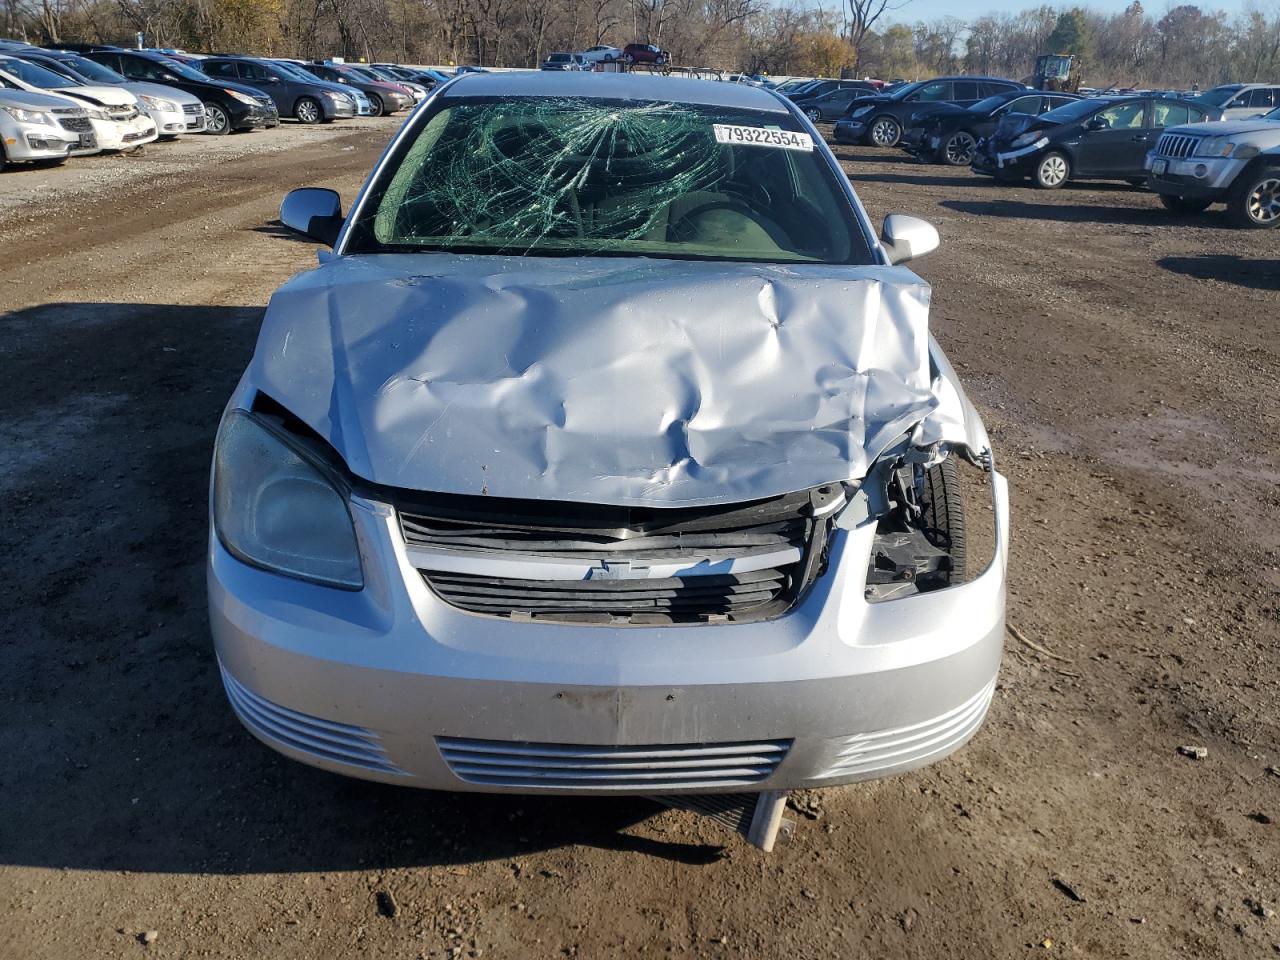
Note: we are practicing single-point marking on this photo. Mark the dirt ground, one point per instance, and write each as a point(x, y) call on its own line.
point(1127, 364)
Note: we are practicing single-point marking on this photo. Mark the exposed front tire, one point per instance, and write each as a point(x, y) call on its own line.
point(376, 106)
point(1184, 204)
point(959, 149)
point(308, 110)
point(813, 115)
point(885, 132)
point(1053, 170)
point(216, 120)
point(1254, 199)
point(943, 514)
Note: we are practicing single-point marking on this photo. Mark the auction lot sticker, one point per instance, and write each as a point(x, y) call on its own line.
point(763, 137)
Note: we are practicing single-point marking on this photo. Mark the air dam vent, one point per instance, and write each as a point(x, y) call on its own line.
point(585, 768)
point(594, 564)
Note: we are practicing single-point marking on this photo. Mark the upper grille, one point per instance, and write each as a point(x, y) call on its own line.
point(1176, 145)
point(613, 565)
point(584, 767)
point(193, 109)
point(122, 113)
point(76, 124)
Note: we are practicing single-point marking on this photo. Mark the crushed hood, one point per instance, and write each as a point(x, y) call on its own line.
point(631, 382)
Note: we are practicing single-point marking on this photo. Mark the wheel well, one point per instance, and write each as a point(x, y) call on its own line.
point(1261, 161)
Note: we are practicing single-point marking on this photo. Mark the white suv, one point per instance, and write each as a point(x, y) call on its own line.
point(1232, 162)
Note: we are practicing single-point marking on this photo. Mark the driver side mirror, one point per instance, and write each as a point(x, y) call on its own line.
point(313, 212)
point(1096, 123)
point(907, 238)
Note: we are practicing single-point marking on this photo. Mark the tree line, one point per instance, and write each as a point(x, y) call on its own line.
point(1178, 47)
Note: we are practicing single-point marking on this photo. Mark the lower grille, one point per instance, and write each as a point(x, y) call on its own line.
point(590, 767)
point(870, 753)
point(134, 137)
point(1176, 146)
point(604, 564)
point(322, 739)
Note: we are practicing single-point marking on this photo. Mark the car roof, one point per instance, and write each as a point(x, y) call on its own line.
point(616, 86)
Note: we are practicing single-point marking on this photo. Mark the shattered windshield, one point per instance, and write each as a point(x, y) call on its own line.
point(590, 177)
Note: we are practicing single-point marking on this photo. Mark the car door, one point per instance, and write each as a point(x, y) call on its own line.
point(281, 92)
point(835, 103)
point(1259, 100)
point(1114, 141)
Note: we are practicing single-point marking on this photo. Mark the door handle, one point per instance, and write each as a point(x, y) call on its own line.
point(1140, 138)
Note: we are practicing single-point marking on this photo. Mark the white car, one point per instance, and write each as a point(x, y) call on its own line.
point(113, 111)
point(42, 127)
point(601, 53)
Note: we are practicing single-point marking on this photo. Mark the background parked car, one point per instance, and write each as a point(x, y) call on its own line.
point(42, 127)
point(879, 121)
point(1236, 163)
point(228, 105)
point(1240, 101)
point(814, 89)
point(117, 122)
point(363, 108)
point(306, 101)
point(565, 61)
point(1101, 138)
point(417, 90)
point(173, 111)
point(601, 53)
point(834, 104)
point(950, 133)
point(423, 78)
point(645, 53)
point(384, 98)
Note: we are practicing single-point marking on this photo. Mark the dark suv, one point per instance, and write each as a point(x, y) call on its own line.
point(645, 53)
point(384, 98)
point(306, 102)
point(879, 121)
point(228, 105)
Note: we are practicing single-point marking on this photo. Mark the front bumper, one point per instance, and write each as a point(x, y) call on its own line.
point(990, 162)
point(124, 134)
point(1202, 178)
point(391, 683)
point(255, 116)
point(171, 123)
point(849, 131)
point(341, 110)
point(37, 141)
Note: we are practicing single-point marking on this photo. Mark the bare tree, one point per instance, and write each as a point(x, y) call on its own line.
point(863, 16)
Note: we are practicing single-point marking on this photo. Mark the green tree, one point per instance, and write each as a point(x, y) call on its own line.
point(1070, 34)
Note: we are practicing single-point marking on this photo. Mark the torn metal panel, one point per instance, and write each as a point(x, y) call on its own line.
point(636, 382)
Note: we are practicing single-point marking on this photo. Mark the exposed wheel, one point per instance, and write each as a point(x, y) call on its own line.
point(943, 514)
point(628, 59)
point(308, 110)
point(813, 115)
point(885, 132)
point(1052, 171)
point(1184, 204)
point(216, 120)
point(1254, 199)
point(376, 108)
point(959, 149)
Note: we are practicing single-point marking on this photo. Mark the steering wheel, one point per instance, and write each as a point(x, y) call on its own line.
point(682, 229)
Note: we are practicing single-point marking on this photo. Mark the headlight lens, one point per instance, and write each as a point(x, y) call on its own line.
point(1022, 139)
point(96, 114)
point(1214, 147)
point(274, 509)
point(155, 103)
point(29, 116)
point(242, 97)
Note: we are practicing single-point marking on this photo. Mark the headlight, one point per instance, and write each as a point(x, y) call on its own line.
point(155, 103)
point(1022, 139)
point(275, 508)
point(242, 97)
point(29, 116)
point(1214, 147)
point(95, 114)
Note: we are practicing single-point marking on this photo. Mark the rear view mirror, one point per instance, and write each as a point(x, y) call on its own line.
point(313, 212)
point(907, 238)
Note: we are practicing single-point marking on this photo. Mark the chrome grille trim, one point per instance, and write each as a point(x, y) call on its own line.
point(324, 739)
point(1176, 146)
point(608, 768)
point(872, 752)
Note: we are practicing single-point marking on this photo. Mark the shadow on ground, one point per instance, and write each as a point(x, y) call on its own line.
point(1255, 274)
point(127, 756)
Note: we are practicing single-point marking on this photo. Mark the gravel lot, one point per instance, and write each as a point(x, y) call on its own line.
point(1126, 362)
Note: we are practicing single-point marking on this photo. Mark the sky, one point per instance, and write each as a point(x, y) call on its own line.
point(971, 9)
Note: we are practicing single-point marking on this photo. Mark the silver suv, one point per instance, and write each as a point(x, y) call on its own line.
point(1233, 162)
point(1240, 101)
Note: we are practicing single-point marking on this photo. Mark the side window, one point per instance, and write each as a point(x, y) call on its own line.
point(1056, 102)
point(932, 92)
point(132, 68)
point(1196, 115)
point(1263, 98)
point(966, 90)
point(226, 70)
point(1123, 116)
point(1029, 105)
point(252, 71)
point(1171, 114)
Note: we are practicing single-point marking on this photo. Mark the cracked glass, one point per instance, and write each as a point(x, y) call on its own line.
point(579, 176)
